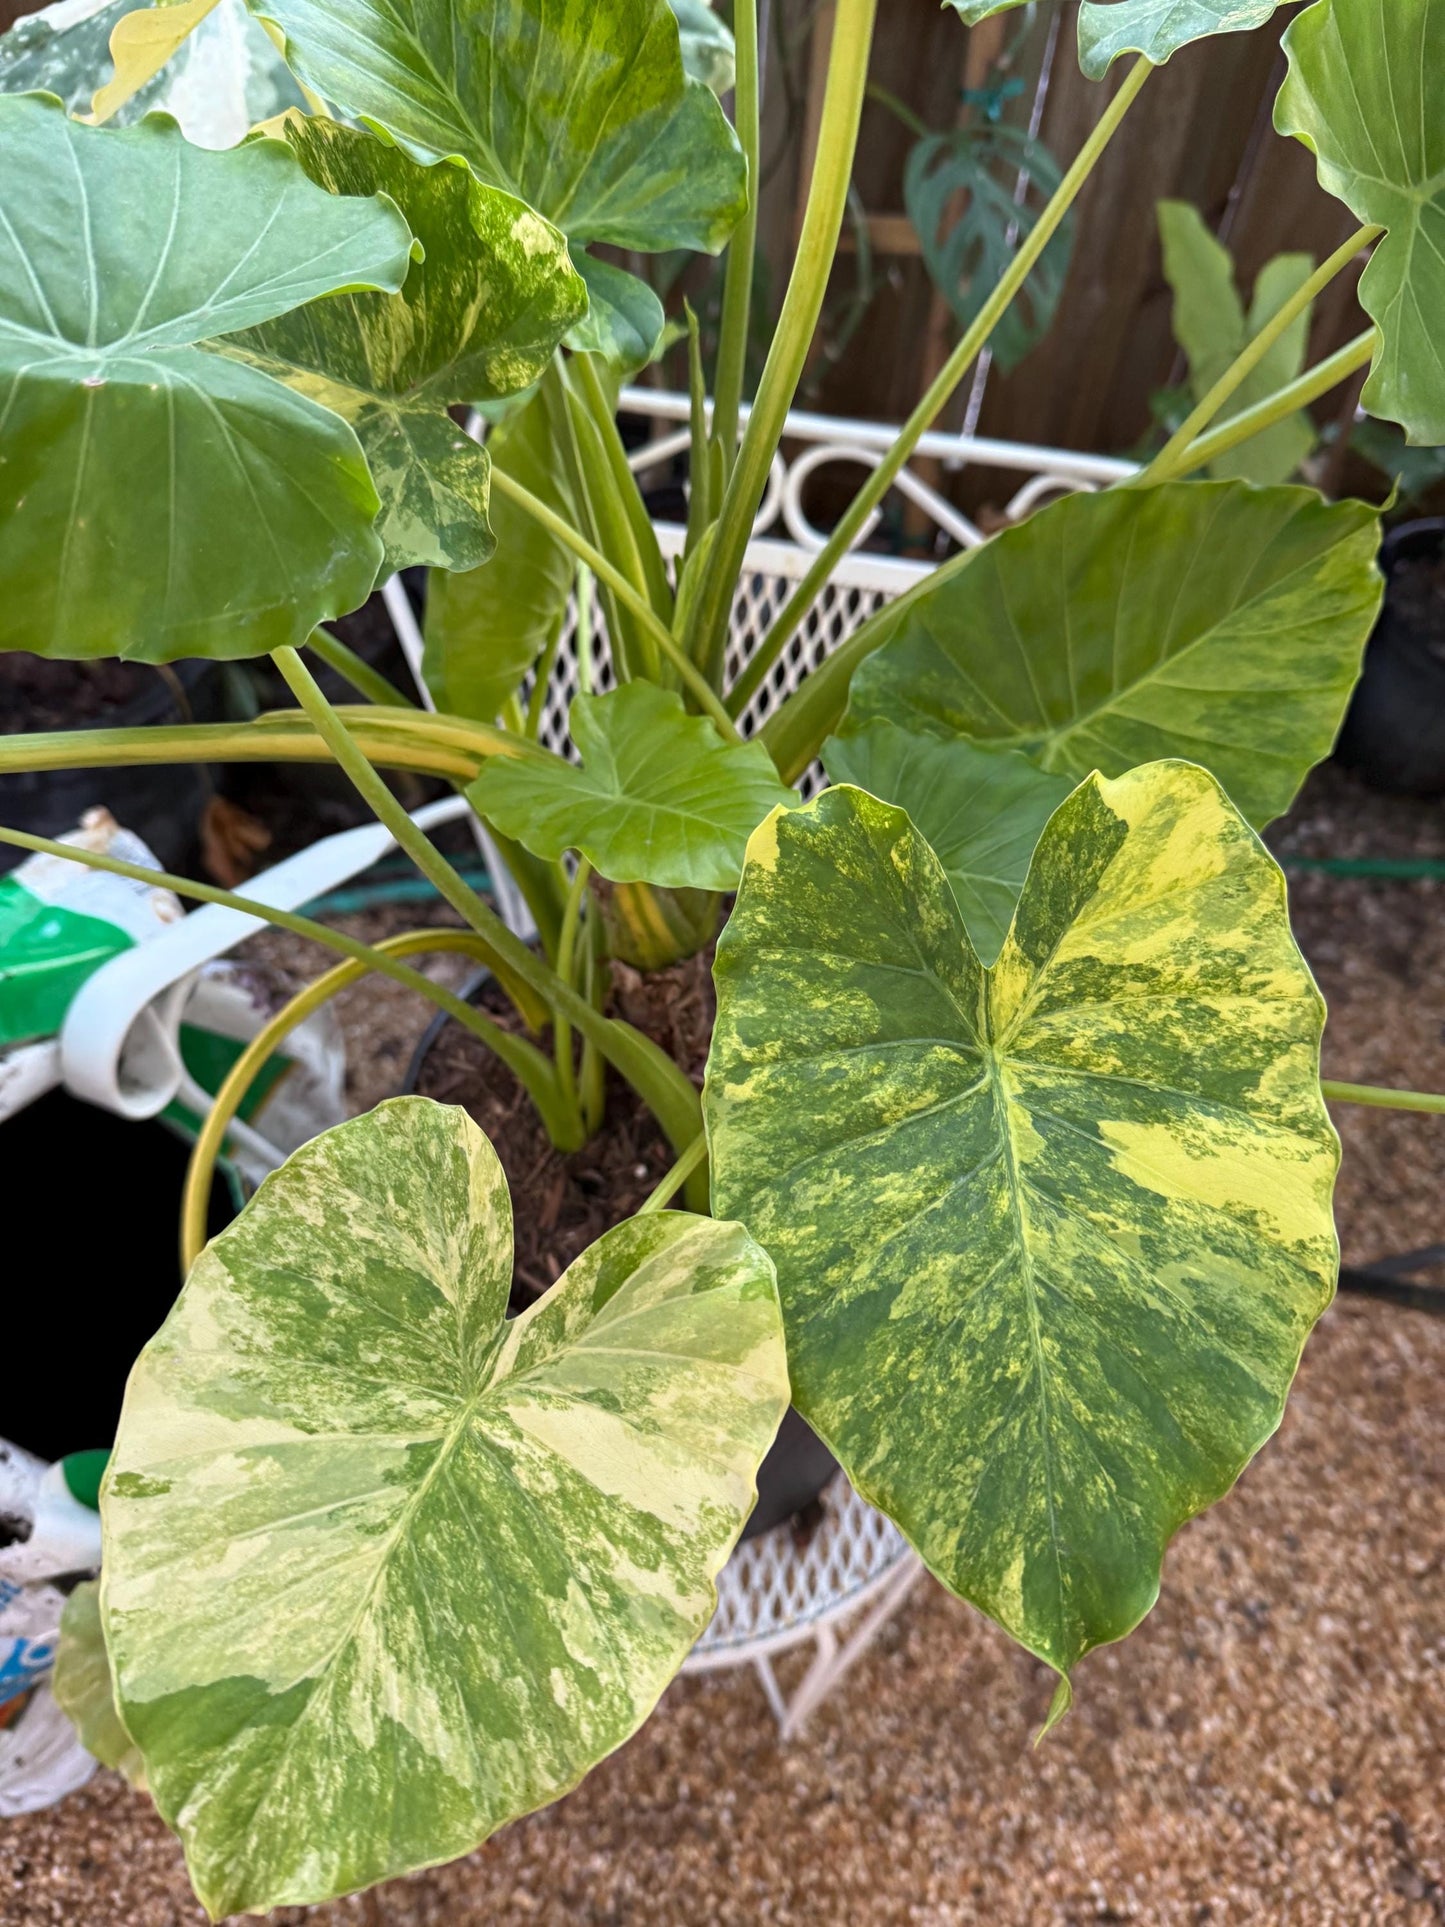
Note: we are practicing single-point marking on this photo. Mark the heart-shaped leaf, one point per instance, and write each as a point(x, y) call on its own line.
point(1155, 28)
point(384, 1570)
point(241, 511)
point(1050, 1236)
point(660, 797)
point(1209, 620)
point(479, 318)
point(1365, 92)
point(1212, 328)
point(83, 1689)
point(980, 810)
point(583, 111)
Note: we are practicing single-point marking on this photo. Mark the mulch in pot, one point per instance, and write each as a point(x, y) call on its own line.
point(562, 1203)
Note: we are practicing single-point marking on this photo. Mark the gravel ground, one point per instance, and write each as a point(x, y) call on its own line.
point(1268, 1748)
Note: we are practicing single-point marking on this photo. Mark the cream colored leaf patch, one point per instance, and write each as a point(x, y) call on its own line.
point(1050, 1236)
point(140, 45)
point(385, 1569)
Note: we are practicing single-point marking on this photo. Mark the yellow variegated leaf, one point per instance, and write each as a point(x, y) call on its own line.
point(82, 1685)
point(1049, 1236)
point(384, 1569)
point(140, 46)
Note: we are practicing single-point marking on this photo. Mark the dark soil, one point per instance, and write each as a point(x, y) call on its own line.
point(38, 694)
point(1417, 600)
point(563, 1203)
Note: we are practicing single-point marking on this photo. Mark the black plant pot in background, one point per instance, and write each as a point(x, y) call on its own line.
point(161, 805)
point(1394, 734)
point(792, 1477)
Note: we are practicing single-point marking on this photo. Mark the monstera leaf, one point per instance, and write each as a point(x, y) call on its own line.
point(583, 111)
point(241, 511)
point(660, 797)
point(478, 318)
point(384, 1569)
point(83, 1689)
point(1203, 619)
point(981, 811)
point(962, 193)
point(1050, 1236)
point(1154, 28)
point(1365, 92)
point(1212, 328)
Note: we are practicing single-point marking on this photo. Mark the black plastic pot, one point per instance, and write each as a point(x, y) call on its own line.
point(92, 1265)
point(1394, 734)
point(792, 1477)
point(161, 805)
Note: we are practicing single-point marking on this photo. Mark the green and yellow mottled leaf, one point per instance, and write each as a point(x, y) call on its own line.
point(1050, 1236)
point(141, 44)
point(980, 810)
point(82, 1685)
point(1208, 620)
point(384, 1570)
point(1365, 92)
point(479, 318)
point(157, 497)
point(583, 111)
point(708, 51)
point(659, 798)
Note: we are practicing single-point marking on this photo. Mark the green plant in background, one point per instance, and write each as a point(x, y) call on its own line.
point(1213, 329)
point(1013, 1123)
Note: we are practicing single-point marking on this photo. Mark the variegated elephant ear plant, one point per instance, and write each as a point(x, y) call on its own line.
point(1012, 1167)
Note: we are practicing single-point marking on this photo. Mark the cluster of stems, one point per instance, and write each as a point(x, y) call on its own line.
point(675, 639)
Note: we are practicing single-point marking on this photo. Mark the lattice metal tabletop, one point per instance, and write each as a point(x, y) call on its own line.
point(789, 1586)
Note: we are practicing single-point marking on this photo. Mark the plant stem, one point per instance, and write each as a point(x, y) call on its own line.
point(1306, 388)
point(546, 663)
point(253, 1059)
point(737, 307)
point(651, 1072)
point(630, 598)
point(365, 680)
point(950, 375)
point(585, 677)
point(624, 496)
point(567, 971)
point(1166, 462)
point(693, 1159)
point(1384, 1099)
point(528, 1064)
point(817, 244)
point(444, 746)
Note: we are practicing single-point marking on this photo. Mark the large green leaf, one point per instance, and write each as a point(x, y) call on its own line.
point(384, 1570)
point(158, 499)
point(1212, 328)
point(980, 810)
point(582, 110)
point(484, 630)
point(479, 318)
point(1365, 92)
point(1203, 619)
point(1155, 28)
point(1050, 1236)
point(83, 1688)
point(660, 797)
